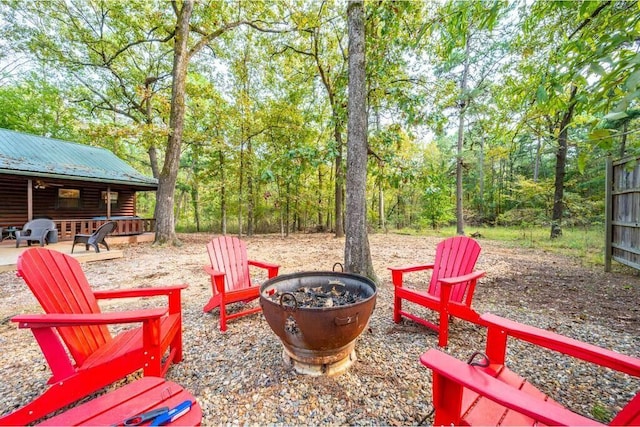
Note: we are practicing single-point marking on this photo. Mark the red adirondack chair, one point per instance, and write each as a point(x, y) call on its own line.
point(465, 394)
point(81, 352)
point(230, 278)
point(451, 288)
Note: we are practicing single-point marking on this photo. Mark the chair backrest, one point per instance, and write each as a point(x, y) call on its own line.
point(102, 231)
point(455, 256)
point(229, 255)
point(39, 227)
point(60, 286)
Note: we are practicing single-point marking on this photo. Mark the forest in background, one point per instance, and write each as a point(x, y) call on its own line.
point(484, 113)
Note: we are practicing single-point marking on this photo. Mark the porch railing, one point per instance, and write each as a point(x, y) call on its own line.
point(67, 228)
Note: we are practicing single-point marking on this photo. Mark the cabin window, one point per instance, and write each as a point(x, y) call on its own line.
point(68, 198)
point(113, 196)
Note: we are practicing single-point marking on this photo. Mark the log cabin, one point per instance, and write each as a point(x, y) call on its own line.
point(78, 186)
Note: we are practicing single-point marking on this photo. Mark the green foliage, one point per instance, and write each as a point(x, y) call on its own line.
point(583, 243)
point(600, 413)
point(265, 109)
point(523, 217)
point(36, 105)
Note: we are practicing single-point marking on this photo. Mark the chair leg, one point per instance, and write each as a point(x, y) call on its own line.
point(223, 317)
point(443, 332)
point(177, 345)
point(397, 307)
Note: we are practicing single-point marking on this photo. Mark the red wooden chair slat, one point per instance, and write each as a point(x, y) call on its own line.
point(73, 325)
point(140, 396)
point(72, 294)
point(451, 288)
point(498, 396)
point(230, 277)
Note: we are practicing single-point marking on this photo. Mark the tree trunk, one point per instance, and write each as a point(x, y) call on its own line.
point(287, 210)
point(357, 255)
point(223, 197)
point(381, 222)
point(152, 151)
point(623, 140)
point(337, 134)
point(339, 193)
point(459, 169)
point(536, 164)
point(164, 213)
point(153, 160)
point(240, 183)
point(481, 178)
point(320, 221)
point(561, 161)
point(195, 200)
point(250, 195)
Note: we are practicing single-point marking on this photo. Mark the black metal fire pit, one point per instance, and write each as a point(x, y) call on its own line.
point(318, 316)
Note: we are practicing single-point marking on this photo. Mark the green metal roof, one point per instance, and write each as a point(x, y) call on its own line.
point(30, 155)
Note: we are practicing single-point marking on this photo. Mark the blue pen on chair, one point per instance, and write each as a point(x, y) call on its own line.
point(145, 416)
point(172, 414)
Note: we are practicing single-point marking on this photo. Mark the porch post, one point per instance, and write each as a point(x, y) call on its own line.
point(29, 200)
point(108, 202)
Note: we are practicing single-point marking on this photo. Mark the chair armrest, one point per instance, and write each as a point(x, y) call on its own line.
point(565, 345)
point(217, 278)
point(55, 320)
point(272, 268)
point(398, 272)
point(451, 370)
point(460, 279)
point(212, 271)
point(43, 328)
point(139, 292)
point(173, 294)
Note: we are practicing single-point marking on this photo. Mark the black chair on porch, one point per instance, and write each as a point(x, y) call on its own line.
point(96, 238)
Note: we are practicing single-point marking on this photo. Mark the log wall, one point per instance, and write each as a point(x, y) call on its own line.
point(46, 203)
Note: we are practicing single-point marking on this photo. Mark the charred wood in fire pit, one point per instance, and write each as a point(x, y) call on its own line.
point(333, 294)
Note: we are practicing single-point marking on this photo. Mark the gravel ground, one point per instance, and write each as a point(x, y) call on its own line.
point(239, 377)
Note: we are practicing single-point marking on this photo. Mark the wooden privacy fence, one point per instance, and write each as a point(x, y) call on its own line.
point(623, 212)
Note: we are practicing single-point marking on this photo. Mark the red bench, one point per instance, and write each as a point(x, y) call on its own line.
point(140, 396)
point(494, 395)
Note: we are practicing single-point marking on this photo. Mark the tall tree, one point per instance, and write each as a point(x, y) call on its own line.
point(462, 41)
point(590, 52)
point(321, 39)
point(357, 255)
point(211, 25)
point(165, 223)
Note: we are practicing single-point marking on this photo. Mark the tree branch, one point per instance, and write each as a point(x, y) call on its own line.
point(589, 19)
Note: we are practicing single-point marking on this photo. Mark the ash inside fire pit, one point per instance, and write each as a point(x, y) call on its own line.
point(334, 294)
